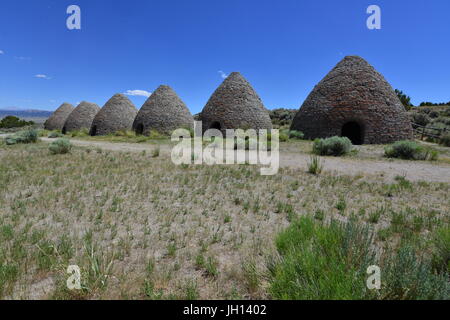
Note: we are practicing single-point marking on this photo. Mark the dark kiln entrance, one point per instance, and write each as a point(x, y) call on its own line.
point(93, 131)
point(353, 131)
point(140, 129)
point(216, 125)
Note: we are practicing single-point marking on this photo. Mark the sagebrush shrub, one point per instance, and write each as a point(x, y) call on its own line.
point(425, 110)
point(10, 141)
point(283, 137)
point(433, 114)
point(27, 136)
point(421, 118)
point(60, 146)
point(410, 150)
point(334, 146)
point(444, 120)
point(446, 112)
point(408, 277)
point(320, 260)
point(294, 134)
point(403, 150)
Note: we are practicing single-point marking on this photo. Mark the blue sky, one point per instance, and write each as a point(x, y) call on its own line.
point(282, 47)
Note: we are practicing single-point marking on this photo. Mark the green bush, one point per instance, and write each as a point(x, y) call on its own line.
point(9, 122)
point(445, 122)
point(334, 146)
point(27, 136)
point(406, 277)
point(421, 118)
point(410, 150)
point(283, 137)
point(434, 114)
point(320, 260)
point(445, 140)
point(60, 146)
point(282, 117)
point(10, 141)
point(432, 155)
point(294, 134)
point(402, 150)
point(425, 110)
point(446, 112)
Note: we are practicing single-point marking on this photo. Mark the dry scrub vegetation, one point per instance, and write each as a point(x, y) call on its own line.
point(140, 227)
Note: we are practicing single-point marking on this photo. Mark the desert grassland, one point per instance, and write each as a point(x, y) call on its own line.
point(369, 152)
point(140, 227)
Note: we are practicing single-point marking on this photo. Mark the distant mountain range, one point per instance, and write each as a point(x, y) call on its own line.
point(25, 114)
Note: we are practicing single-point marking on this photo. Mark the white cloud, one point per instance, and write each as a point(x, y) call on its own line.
point(22, 58)
point(42, 76)
point(141, 93)
point(222, 74)
point(2, 52)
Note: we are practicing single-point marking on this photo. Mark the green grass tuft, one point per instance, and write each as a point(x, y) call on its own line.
point(329, 261)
